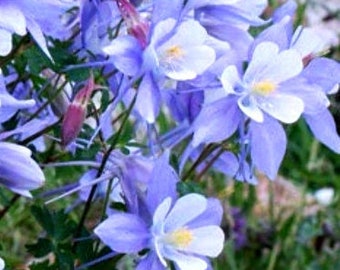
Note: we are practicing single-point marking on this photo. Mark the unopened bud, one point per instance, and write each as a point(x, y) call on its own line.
point(136, 26)
point(76, 113)
point(60, 98)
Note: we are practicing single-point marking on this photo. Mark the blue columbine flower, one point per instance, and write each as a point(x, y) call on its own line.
point(260, 90)
point(260, 95)
point(180, 233)
point(183, 231)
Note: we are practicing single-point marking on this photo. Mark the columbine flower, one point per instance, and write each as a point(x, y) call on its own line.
point(18, 171)
point(177, 56)
point(264, 96)
point(178, 235)
point(260, 90)
point(183, 231)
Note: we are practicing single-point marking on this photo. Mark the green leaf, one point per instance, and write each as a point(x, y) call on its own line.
point(43, 266)
point(188, 187)
point(57, 224)
point(44, 218)
point(41, 248)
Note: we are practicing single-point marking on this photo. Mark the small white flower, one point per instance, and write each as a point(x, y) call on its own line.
point(324, 196)
point(2, 264)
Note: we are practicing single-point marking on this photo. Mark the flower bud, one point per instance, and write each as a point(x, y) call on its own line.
point(60, 98)
point(76, 113)
point(18, 171)
point(136, 26)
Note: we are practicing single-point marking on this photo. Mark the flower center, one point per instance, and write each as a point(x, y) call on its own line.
point(180, 238)
point(264, 87)
point(174, 51)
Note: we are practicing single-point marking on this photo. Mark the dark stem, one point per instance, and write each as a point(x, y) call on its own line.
point(9, 205)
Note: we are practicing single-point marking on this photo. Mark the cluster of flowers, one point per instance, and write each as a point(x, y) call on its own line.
point(198, 62)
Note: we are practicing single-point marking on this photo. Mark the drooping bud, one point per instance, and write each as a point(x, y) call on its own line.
point(136, 25)
point(76, 113)
point(18, 171)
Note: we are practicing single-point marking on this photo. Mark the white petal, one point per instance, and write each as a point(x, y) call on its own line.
point(229, 78)
point(22, 192)
point(185, 209)
point(285, 66)
point(189, 33)
point(249, 107)
point(2, 264)
point(185, 262)
point(285, 108)
point(12, 19)
point(161, 211)
point(6, 42)
point(162, 29)
point(263, 54)
point(207, 241)
point(193, 62)
point(199, 58)
point(306, 41)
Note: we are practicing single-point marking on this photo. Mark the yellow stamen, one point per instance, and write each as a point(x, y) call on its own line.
point(264, 87)
point(180, 238)
point(174, 51)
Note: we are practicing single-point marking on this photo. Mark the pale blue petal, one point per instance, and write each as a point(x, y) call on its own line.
point(162, 183)
point(126, 54)
point(161, 30)
point(163, 10)
point(217, 121)
point(227, 163)
point(124, 233)
point(323, 72)
point(286, 9)
point(17, 169)
point(239, 39)
point(148, 100)
point(185, 209)
point(324, 129)
point(150, 262)
point(268, 146)
point(38, 36)
point(9, 106)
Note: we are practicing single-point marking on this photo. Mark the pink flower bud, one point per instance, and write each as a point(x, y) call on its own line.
point(136, 26)
point(76, 113)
